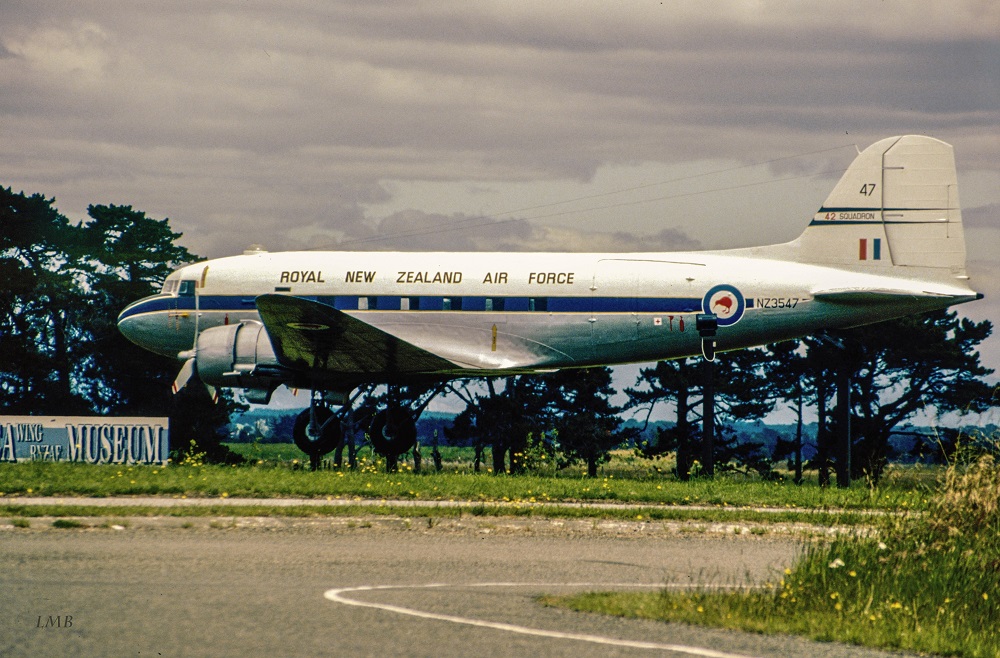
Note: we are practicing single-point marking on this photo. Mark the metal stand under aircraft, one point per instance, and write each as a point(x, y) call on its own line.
point(707, 325)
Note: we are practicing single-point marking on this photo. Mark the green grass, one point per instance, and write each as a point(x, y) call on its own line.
point(269, 452)
point(926, 583)
point(67, 523)
point(268, 481)
point(455, 459)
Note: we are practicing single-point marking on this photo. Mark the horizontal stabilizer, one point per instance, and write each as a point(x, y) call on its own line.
point(877, 295)
point(307, 335)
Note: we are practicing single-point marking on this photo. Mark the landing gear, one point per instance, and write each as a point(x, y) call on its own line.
point(317, 431)
point(393, 432)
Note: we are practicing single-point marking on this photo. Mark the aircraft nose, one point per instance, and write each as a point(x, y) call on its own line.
point(147, 323)
point(131, 322)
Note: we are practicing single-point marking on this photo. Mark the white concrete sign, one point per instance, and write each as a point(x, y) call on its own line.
point(87, 439)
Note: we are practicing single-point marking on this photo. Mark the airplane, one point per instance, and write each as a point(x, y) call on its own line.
point(887, 242)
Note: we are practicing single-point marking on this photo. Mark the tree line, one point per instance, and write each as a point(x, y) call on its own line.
point(64, 285)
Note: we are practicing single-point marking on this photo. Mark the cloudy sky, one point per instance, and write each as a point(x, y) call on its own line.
point(597, 125)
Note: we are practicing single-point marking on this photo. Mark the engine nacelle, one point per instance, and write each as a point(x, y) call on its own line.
point(239, 356)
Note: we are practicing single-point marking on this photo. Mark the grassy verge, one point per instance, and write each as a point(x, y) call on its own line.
point(927, 583)
point(51, 479)
point(734, 517)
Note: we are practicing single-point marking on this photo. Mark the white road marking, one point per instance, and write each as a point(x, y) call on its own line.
point(339, 595)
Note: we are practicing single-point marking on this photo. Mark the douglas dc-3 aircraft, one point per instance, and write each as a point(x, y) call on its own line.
point(887, 242)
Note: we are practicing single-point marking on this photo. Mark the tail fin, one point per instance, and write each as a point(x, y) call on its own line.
point(896, 206)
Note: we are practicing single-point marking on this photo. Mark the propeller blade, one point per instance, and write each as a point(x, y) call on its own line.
point(214, 394)
point(184, 375)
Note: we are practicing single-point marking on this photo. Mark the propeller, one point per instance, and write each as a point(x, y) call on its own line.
point(185, 374)
point(190, 367)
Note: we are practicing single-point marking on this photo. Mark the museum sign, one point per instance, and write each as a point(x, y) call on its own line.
point(86, 439)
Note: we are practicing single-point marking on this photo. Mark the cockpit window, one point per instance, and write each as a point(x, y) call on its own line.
point(186, 289)
point(170, 286)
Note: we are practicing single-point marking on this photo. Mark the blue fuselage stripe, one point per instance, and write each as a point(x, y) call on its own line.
point(417, 303)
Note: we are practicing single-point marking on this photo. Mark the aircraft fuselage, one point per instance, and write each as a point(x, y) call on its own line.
point(535, 311)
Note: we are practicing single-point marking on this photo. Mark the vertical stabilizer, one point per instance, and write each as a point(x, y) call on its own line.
point(895, 207)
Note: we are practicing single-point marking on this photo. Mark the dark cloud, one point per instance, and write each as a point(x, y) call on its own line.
point(412, 230)
point(278, 122)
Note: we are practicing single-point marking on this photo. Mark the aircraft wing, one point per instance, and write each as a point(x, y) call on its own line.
point(312, 336)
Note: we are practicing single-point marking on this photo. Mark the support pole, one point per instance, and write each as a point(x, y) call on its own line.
point(707, 325)
point(708, 419)
point(843, 426)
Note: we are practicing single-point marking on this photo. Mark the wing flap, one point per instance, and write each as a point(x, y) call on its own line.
point(307, 335)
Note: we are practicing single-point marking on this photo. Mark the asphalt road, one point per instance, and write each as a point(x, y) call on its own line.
point(280, 587)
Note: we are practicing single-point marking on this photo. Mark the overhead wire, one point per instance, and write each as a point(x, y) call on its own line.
point(485, 221)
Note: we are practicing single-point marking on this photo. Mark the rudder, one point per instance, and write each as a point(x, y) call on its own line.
point(895, 206)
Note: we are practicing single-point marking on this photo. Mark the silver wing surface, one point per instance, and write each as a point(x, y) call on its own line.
point(307, 335)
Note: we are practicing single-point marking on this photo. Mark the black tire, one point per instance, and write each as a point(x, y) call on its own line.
point(329, 436)
point(392, 432)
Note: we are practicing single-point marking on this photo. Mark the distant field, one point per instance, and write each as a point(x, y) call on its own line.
point(287, 453)
point(623, 464)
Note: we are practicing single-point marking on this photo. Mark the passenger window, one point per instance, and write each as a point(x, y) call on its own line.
point(538, 303)
point(451, 304)
point(494, 303)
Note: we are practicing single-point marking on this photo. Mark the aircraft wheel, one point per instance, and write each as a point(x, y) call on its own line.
point(316, 444)
point(393, 432)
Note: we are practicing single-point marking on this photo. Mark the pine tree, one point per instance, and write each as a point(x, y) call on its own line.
point(742, 392)
point(793, 380)
point(40, 306)
point(587, 423)
point(128, 255)
point(906, 366)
